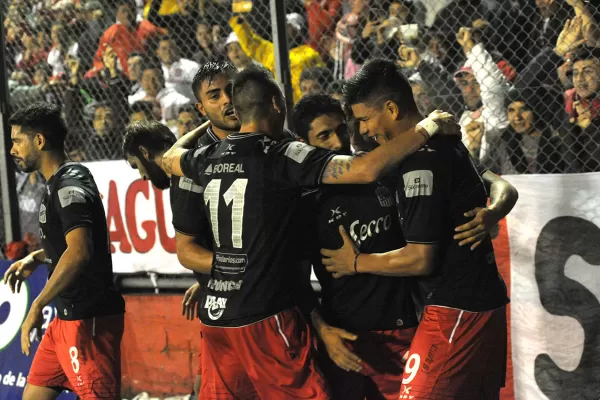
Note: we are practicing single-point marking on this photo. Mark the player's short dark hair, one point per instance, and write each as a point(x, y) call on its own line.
point(378, 81)
point(253, 91)
point(45, 118)
point(153, 135)
point(209, 71)
point(584, 53)
point(143, 106)
point(320, 74)
point(189, 108)
point(311, 107)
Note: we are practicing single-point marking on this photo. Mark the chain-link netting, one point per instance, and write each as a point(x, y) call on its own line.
point(522, 76)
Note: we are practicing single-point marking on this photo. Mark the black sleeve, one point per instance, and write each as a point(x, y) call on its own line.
point(423, 186)
point(74, 203)
point(187, 204)
point(299, 163)
point(192, 163)
point(481, 169)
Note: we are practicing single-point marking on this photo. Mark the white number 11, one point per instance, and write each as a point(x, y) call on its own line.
point(236, 194)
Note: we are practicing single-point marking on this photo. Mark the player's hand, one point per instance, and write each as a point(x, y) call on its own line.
point(34, 320)
point(189, 305)
point(334, 338)
point(484, 221)
point(340, 262)
point(448, 126)
point(18, 272)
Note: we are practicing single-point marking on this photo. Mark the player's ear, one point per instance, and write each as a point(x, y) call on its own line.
point(144, 152)
point(393, 110)
point(200, 109)
point(39, 141)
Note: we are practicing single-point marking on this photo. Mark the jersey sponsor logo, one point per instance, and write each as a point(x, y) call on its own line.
point(336, 214)
point(361, 232)
point(229, 151)
point(418, 183)
point(42, 216)
point(230, 263)
point(224, 168)
point(189, 185)
point(71, 195)
point(298, 151)
point(224, 286)
point(384, 196)
point(215, 306)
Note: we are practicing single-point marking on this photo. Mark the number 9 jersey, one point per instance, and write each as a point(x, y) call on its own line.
point(251, 188)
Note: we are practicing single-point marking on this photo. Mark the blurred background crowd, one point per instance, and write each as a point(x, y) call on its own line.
point(522, 76)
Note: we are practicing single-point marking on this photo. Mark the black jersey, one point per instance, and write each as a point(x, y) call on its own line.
point(436, 186)
point(251, 189)
point(362, 302)
point(71, 200)
point(187, 206)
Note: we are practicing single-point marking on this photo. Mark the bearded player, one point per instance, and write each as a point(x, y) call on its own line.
point(80, 350)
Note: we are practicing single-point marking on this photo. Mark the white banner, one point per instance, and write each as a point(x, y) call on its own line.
point(139, 220)
point(554, 239)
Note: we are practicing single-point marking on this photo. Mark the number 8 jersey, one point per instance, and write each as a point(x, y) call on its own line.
point(251, 188)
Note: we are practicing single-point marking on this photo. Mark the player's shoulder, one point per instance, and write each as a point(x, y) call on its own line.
point(292, 149)
point(208, 138)
point(180, 185)
point(74, 174)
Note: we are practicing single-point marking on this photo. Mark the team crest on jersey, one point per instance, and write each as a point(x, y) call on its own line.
point(42, 214)
point(384, 196)
point(215, 306)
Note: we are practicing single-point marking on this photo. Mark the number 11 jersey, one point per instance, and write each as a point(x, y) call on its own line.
point(251, 188)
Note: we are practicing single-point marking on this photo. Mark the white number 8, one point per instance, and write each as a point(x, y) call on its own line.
point(74, 353)
point(411, 368)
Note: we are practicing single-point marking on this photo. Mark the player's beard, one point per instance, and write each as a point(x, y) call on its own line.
point(224, 123)
point(29, 163)
point(157, 176)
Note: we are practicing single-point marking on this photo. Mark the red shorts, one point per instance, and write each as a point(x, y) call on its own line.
point(382, 354)
point(83, 356)
point(457, 354)
point(271, 359)
point(199, 370)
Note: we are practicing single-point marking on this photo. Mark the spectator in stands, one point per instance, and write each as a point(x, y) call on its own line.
point(180, 24)
point(398, 15)
point(143, 111)
point(208, 50)
point(125, 37)
point(167, 99)
point(529, 145)
point(236, 55)
point(314, 80)
point(178, 72)
point(335, 90)
point(43, 89)
point(62, 45)
point(96, 23)
point(135, 66)
point(30, 189)
point(583, 106)
point(322, 17)
point(553, 15)
point(301, 55)
point(188, 119)
point(31, 55)
point(484, 89)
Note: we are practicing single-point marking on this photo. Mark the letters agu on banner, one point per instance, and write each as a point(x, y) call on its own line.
point(14, 366)
point(139, 220)
point(554, 234)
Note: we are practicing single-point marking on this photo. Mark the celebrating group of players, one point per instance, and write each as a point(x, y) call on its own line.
point(387, 207)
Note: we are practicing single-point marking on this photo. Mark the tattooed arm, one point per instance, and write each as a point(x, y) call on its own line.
point(370, 167)
point(171, 159)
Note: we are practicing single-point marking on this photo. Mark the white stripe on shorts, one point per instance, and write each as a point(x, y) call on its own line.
point(455, 326)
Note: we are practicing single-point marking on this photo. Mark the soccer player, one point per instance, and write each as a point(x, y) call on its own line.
point(256, 340)
point(80, 350)
point(459, 350)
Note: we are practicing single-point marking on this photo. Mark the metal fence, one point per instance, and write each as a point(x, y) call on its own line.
point(523, 76)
